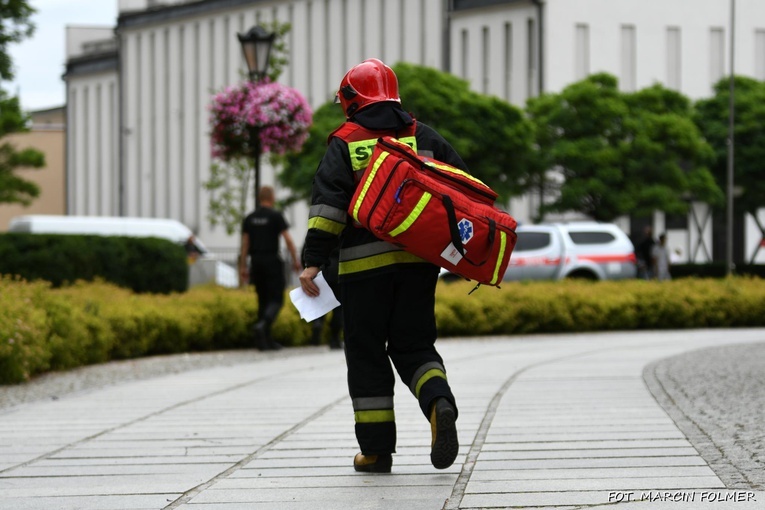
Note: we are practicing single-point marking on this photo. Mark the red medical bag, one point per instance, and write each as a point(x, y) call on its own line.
point(435, 211)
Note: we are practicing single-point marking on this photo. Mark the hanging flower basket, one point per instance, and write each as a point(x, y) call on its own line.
point(281, 115)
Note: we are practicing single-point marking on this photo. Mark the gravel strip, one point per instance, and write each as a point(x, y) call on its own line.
point(54, 385)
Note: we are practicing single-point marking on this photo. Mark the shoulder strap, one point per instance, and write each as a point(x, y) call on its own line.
point(352, 132)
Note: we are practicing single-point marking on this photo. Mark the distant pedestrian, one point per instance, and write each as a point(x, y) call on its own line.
point(261, 230)
point(643, 253)
point(660, 259)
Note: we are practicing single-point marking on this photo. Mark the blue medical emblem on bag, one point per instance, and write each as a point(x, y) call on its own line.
point(466, 230)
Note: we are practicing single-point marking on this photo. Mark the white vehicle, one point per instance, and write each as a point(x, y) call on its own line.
point(595, 251)
point(205, 269)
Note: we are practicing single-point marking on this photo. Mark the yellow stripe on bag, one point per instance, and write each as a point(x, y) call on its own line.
point(367, 184)
point(502, 246)
point(453, 170)
point(412, 215)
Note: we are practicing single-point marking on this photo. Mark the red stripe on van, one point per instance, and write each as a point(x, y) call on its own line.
point(603, 259)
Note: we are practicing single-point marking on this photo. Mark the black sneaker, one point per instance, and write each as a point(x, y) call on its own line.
point(372, 463)
point(445, 444)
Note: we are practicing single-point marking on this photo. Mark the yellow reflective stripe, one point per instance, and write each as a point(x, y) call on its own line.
point(378, 416)
point(319, 223)
point(451, 169)
point(367, 184)
point(502, 246)
point(410, 141)
point(375, 261)
point(427, 376)
point(412, 215)
point(360, 152)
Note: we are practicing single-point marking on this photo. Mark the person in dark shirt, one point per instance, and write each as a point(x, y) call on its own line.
point(261, 230)
point(643, 253)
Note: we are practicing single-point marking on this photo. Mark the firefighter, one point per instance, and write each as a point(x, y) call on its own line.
point(388, 295)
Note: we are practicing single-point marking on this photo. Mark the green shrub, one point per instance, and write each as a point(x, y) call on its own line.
point(140, 264)
point(44, 328)
point(23, 331)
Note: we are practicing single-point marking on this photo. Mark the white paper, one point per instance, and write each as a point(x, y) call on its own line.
point(311, 308)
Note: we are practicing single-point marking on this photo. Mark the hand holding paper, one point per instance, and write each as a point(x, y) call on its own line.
point(311, 308)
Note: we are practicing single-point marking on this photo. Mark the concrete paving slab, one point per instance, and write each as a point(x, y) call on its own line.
point(550, 421)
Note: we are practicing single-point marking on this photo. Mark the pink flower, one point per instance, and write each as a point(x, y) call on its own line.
point(281, 114)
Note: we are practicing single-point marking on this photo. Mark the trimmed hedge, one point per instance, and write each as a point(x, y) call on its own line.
point(715, 270)
point(139, 264)
point(43, 329)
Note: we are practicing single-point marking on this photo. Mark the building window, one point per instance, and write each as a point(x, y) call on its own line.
point(759, 55)
point(629, 59)
point(508, 71)
point(716, 54)
point(674, 62)
point(582, 52)
point(531, 57)
point(465, 55)
point(485, 66)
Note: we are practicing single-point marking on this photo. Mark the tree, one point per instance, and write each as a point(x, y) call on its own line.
point(15, 25)
point(711, 116)
point(620, 153)
point(492, 136)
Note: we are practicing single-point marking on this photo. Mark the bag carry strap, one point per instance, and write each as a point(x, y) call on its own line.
point(454, 230)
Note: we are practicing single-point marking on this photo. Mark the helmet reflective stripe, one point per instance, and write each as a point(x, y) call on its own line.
point(367, 83)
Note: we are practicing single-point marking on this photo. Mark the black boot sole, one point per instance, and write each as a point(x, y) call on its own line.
point(447, 445)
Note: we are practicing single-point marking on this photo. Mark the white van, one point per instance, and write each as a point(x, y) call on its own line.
point(205, 269)
point(590, 250)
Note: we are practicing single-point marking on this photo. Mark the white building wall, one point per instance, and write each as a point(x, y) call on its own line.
point(92, 144)
point(170, 70)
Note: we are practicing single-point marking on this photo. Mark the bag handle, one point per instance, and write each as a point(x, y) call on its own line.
point(454, 230)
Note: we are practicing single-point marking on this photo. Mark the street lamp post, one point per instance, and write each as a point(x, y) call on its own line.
point(731, 142)
point(256, 47)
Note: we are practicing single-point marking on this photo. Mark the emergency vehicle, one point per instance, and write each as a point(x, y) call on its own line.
point(591, 250)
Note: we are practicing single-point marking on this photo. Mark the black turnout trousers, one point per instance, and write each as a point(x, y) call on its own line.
point(390, 318)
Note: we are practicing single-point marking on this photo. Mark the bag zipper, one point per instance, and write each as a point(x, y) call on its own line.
point(420, 164)
point(384, 187)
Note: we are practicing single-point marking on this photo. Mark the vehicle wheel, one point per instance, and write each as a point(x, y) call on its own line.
point(583, 275)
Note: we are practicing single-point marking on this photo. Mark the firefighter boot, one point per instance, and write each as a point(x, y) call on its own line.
point(373, 463)
point(445, 444)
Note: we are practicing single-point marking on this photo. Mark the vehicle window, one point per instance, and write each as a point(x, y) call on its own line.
point(528, 241)
point(591, 237)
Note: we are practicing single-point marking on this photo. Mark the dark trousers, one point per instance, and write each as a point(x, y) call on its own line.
point(391, 318)
point(268, 277)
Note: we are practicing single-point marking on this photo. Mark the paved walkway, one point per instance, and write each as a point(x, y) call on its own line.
point(562, 421)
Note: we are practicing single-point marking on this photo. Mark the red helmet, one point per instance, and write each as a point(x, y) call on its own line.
point(367, 83)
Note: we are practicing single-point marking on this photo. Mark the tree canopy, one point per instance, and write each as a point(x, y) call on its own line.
point(492, 136)
point(749, 138)
point(15, 25)
point(620, 153)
